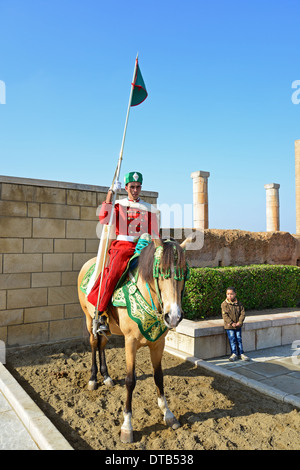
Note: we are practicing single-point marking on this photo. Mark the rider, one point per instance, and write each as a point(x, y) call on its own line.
point(132, 218)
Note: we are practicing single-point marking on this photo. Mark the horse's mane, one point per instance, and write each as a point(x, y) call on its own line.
point(146, 258)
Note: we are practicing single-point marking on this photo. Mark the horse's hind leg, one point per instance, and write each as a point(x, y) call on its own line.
point(102, 341)
point(156, 356)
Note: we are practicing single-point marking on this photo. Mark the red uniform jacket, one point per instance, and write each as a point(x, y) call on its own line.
point(131, 219)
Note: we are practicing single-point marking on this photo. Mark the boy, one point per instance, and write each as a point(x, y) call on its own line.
point(233, 314)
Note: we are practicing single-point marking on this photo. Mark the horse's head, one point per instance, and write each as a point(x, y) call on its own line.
point(163, 266)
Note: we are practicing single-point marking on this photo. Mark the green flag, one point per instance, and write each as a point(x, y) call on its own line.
point(139, 89)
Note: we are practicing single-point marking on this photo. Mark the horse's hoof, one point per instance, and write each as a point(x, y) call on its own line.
point(173, 423)
point(108, 382)
point(126, 436)
point(92, 385)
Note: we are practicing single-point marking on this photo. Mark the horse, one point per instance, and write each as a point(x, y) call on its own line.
point(162, 272)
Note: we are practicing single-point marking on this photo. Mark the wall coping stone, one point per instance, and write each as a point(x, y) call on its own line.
point(214, 327)
point(64, 185)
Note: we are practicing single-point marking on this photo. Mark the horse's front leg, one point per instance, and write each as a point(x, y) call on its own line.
point(126, 429)
point(156, 356)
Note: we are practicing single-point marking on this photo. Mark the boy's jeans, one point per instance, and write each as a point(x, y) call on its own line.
point(235, 341)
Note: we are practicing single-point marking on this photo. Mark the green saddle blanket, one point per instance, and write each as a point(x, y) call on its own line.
point(149, 321)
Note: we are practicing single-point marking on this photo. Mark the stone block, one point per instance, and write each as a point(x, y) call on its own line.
point(81, 198)
point(21, 298)
point(13, 208)
point(248, 339)
point(32, 193)
point(14, 281)
point(57, 262)
point(268, 337)
point(59, 211)
point(15, 227)
point(46, 279)
point(51, 195)
point(11, 317)
point(33, 333)
point(88, 213)
point(21, 263)
point(186, 344)
point(17, 192)
point(257, 321)
point(62, 295)
point(33, 209)
point(290, 333)
point(102, 196)
point(66, 329)
point(69, 278)
point(69, 246)
point(80, 258)
point(35, 245)
point(284, 319)
point(74, 311)
point(48, 228)
point(210, 346)
point(41, 314)
point(81, 229)
point(92, 246)
point(11, 245)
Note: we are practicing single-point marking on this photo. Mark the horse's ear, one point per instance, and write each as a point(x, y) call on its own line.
point(157, 242)
point(189, 239)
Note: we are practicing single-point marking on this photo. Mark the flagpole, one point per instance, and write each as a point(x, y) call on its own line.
point(127, 117)
point(115, 178)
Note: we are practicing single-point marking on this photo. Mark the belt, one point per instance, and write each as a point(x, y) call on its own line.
point(127, 238)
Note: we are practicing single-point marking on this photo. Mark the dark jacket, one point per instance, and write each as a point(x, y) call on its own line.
point(232, 312)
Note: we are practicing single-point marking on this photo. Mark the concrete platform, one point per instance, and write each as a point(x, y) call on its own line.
point(207, 339)
point(23, 426)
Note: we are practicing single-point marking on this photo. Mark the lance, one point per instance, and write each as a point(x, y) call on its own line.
point(137, 86)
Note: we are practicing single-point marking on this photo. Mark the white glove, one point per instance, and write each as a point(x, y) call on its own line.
point(117, 186)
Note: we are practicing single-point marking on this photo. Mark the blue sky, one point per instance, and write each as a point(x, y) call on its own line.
point(219, 76)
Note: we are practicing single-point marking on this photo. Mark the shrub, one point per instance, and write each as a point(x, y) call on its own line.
point(258, 287)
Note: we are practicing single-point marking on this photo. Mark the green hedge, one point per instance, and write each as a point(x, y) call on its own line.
point(258, 287)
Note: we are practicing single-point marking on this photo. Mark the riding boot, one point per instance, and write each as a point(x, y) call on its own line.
point(103, 326)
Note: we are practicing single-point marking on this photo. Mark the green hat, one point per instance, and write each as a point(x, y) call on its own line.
point(133, 177)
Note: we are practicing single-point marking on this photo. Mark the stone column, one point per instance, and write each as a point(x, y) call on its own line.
point(200, 199)
point(297, 175)
point(272, 207)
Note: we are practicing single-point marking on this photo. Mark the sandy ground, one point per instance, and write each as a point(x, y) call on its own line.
point(214, 412)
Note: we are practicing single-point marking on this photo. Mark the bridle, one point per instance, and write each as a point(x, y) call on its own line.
point(180, 274)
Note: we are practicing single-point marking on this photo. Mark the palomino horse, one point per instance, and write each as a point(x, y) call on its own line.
point(164, 291)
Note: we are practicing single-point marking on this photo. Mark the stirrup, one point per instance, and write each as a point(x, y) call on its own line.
point(99, 328)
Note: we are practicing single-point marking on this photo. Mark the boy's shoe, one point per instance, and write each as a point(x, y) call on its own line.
point(244, 357)
point(233, 358)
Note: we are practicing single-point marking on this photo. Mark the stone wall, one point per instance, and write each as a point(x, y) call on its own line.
point(241, 248)
point(47, 232)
